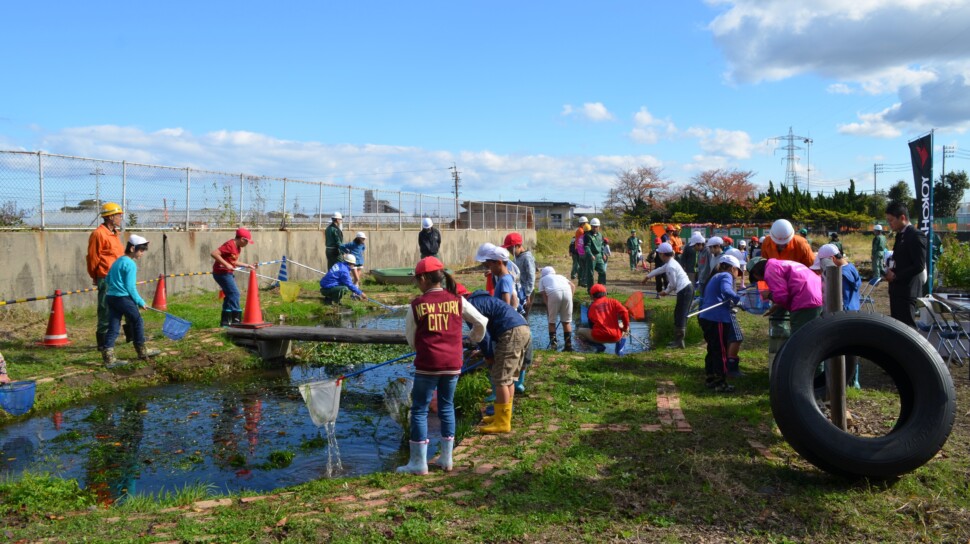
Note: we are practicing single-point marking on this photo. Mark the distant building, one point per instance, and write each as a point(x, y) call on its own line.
point(507, 214)
point(373, 205)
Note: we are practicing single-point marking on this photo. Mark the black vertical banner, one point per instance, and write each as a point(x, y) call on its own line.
point(921, 151)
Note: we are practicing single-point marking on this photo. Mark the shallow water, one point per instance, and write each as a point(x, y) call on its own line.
point(225, 435)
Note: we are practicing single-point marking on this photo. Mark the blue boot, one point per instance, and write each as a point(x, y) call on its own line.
point(491, 396)
point(618, 349)
point(520, 383)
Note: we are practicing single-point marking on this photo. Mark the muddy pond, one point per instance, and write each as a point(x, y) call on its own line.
point(249, 433)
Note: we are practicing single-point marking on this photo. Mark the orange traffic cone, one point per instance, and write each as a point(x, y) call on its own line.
point(253, 315)
point(56, 335)
point(159, 302)
point(222, 294)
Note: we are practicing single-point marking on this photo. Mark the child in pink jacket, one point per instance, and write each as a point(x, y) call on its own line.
point(793, 287)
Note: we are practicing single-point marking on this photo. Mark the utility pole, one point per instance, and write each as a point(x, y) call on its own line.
point(98, 172)
point(455, 175)
point(791, 175)
point(948, 151)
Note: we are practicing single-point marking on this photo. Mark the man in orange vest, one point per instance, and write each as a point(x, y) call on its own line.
point(781, 243)
point(104, 247)
point(674, 240)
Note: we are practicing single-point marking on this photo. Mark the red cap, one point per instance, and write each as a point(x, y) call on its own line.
point(512, 239)
point(460, 289)
point(598, 288)
point(754, 238)
point(244, 233)
point(428, 264)
point(728, 240)
point(657, 241)
point(670, 228)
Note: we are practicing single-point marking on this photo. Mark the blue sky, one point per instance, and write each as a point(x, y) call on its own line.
point(531, 100)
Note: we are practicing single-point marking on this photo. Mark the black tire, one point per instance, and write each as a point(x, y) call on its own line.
point(926, 394)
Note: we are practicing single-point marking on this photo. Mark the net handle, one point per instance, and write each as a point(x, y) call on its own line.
point(361, 371)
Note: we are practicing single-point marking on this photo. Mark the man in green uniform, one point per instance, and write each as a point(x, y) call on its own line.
point(633, 248)
point(593, 245)
point(334, 238)
point(879, 246)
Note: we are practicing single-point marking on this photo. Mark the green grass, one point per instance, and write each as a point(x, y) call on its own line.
point(566, 484)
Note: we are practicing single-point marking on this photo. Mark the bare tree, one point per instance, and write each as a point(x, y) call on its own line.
point(637, 187)
point(720, 186)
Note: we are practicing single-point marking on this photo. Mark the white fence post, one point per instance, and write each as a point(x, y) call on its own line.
point(188, 185)
point(40, 173)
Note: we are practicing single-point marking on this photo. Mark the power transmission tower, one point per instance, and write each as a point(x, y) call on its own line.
point(791, 160)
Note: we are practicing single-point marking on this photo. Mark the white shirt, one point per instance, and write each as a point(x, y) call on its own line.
point(555, 282)
point(677, 279)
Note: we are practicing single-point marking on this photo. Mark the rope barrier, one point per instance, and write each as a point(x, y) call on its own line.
point(143, 282)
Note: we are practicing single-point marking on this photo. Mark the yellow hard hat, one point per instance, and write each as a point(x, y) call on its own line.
point(110, 208)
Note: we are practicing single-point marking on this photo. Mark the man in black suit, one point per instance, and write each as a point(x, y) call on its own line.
point(904, 273)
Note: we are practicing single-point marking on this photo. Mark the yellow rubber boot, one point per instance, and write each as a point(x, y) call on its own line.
point(501, 422)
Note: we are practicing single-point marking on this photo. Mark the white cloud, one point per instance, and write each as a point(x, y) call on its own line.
point(648, 129)
point(732, 143)
point(591, 111)
point(700, 163)
point(872, 124)
point(910, 47)
point(393, 168)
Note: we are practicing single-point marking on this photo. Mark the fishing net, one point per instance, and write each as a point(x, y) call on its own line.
point(322, 400)
point(289, 291)
point(397, 400)
point(635, 305)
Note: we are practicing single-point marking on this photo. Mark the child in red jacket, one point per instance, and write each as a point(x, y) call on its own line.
point(609, 319)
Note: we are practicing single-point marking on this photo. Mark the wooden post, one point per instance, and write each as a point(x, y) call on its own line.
point(835, 367)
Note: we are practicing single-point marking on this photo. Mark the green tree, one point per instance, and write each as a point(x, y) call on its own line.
point(900, 192)
point(948, 193)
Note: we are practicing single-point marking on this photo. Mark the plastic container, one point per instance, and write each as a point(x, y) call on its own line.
point(17, 398)
point(779, 329)
point(752, 302)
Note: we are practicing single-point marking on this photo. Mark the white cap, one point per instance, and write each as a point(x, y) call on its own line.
point(665, 248)
point(136, 240)
point(742, 243)
point(360, 235)
point(582, 219)
point(595, 222)
point(696, 238)
point(483, 252)
point(877, 228)
point(715, 241)
point(547, 271)
point(828, 251)
point(731, 260)
point(337, 215)
point(349, 258)
point(426, 223)
point(498, 254)
point(782, 232)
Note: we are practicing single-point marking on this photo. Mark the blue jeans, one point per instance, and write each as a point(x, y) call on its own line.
point(118, 307)
point(228, 284)
point(424, 386)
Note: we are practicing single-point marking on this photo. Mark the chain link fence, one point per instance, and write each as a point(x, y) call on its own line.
point(58, 192)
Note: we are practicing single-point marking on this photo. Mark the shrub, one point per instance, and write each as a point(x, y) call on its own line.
point(954, 264)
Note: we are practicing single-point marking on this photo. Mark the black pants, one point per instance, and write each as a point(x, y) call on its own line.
point(684, 299)
point(715, 362)
point(903, 309)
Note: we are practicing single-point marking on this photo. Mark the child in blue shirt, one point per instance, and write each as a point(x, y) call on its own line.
point(123, 301)
point(720, 325)
point(356, 248)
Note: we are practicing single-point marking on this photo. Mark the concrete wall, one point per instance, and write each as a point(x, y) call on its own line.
point(37, 263)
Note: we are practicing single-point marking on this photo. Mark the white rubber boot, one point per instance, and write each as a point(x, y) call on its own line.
point(444, 458)
point(419, 459)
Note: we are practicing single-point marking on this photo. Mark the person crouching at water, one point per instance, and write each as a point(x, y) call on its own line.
point(339, 280)
point(433, 328)
point(610, 321)
point(226, 259)
point(720, 325)
point(123, 300)
point(677, 282)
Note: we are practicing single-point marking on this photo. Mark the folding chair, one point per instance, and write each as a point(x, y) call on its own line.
point(949, 330)
point(866, 296)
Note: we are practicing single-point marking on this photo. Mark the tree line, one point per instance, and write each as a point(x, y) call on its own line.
point(728, 196)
